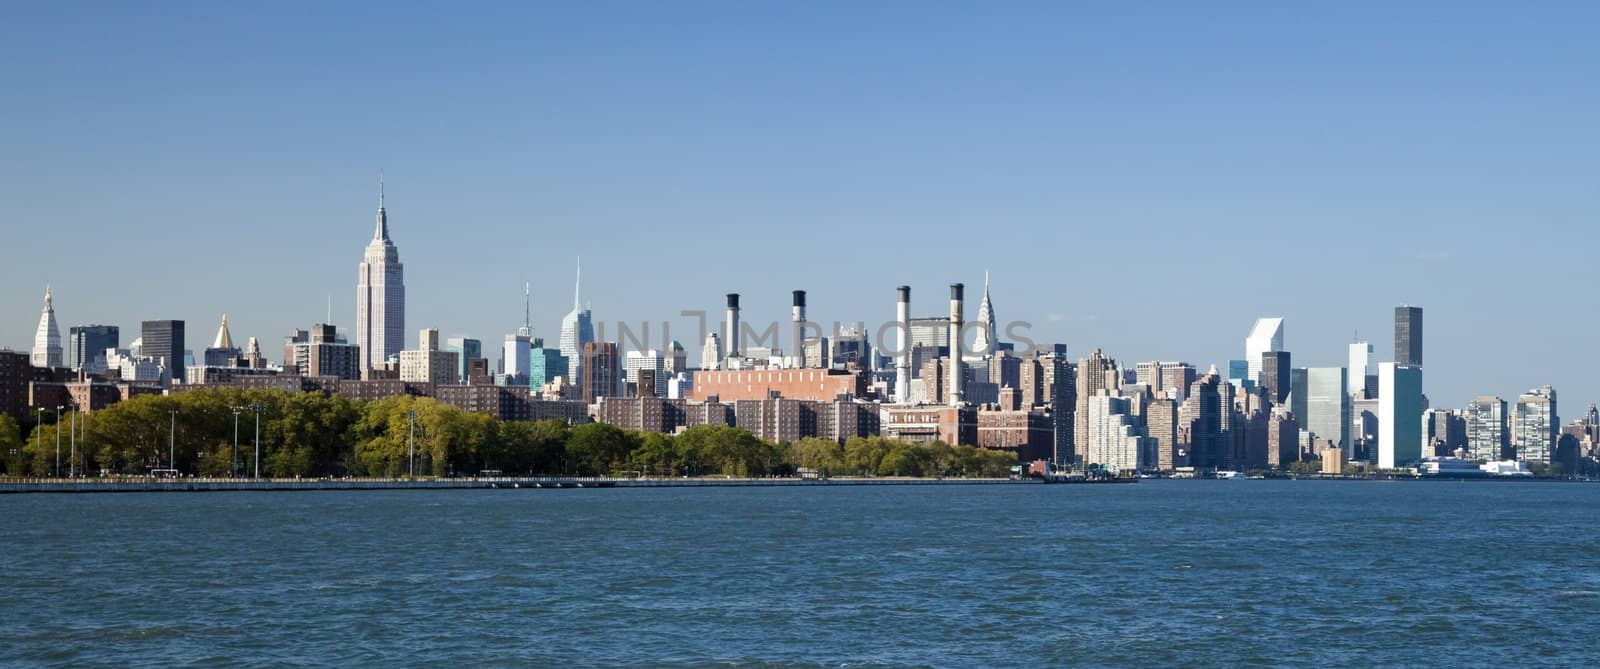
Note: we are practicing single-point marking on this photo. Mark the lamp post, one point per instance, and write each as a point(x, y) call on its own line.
point(58, 440)
point(72, 455)
point(38, 435)
point(233, 458)
point(411, 439)
point(257, 408)
point(172, 443)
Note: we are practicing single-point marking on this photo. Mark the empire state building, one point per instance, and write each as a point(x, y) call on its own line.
point(380, 297)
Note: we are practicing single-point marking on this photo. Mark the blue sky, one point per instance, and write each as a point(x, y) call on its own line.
point(1146, 178)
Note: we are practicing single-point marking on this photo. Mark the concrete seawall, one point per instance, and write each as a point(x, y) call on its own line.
point(227, 485)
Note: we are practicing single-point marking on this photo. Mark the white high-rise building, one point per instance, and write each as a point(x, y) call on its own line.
point(1112, 439)
point(711, 353)
point(1360, 361)
point(380, 296)
point(1265, 337)
point(1535, 425)
point(516, 356)
point(651, 360)
point(1487, 435)
point(1399, 415)
point(47, 350)
point(577, 329)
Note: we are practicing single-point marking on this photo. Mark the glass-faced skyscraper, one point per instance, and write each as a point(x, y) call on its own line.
point(1265, 337)
point(1408, 336)
point(1327, 404)
point(1399, 415)
point(88, 346)
point(577, 329)
point(380, 296)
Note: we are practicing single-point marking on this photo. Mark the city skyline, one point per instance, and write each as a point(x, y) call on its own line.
point(753, 162)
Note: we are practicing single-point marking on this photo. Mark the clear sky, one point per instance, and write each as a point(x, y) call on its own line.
point(1147, 178)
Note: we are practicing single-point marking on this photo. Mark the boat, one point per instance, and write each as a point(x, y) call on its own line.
point(1229, 475)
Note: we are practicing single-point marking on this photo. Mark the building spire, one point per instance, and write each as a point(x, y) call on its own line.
point(49, 302)
point(527, 311)
point(382, 233)
point(577, 287)
point(224, 338)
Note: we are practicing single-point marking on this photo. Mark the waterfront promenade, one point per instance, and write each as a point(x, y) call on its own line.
point(149, 484)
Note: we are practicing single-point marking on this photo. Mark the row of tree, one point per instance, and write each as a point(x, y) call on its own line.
point(212, 432)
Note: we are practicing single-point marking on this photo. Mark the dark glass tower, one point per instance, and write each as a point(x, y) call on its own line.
point(1408, 336)
point(164, 339)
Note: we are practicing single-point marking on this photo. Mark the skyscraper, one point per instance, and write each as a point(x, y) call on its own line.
point(380, 296)
point(547, 364)
point(88, 344)
point(1094, 374)
point(577, 329)
point(677, 360)
point(1112, 439)
point(163, 340)
point(1201, 422)
point(988, 335)
point(1360, 360)
point(47, 341)
point(516, 356)
point(322, 351)
point(1399, 415)
point(601, 371)
point(651, 361)
point(222, 352)
point(466, 349)
point(1265, 337)
point(1275, 376)
point(1536, 424)
point(1408, 336)
point(711, 353)
point(1487, 436)
point(1327, 405)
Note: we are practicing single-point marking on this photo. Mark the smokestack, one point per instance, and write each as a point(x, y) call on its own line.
point(798, 315)
point(732, 336)
point(902, 355)
point(956, 365)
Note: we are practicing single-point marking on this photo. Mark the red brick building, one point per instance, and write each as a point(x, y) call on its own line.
point(823, 385)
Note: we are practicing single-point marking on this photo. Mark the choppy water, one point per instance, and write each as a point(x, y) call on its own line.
point(1162, 573)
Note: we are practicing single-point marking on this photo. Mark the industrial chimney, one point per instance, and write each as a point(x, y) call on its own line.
point(798, 316)
point(956, 365)
point(731, 337)
point(902, 354)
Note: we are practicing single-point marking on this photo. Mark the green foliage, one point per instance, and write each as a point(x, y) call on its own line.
point(1306, 467)
point(598, 449)
point(312, 435)
point(11, 457)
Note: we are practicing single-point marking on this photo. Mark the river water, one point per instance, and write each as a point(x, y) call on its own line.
point(1196, 573)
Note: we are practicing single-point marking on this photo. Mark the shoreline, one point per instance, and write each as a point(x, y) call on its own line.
point(86, 486)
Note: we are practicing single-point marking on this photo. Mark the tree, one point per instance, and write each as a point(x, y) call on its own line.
point(863, 455)
point(655, 456)
point(598, 449)
point(905, 459)
point(824, 456)
point(1305, 468)
point(11, 445)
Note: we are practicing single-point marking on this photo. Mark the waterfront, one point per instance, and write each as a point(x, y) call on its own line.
point(1161, 573)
